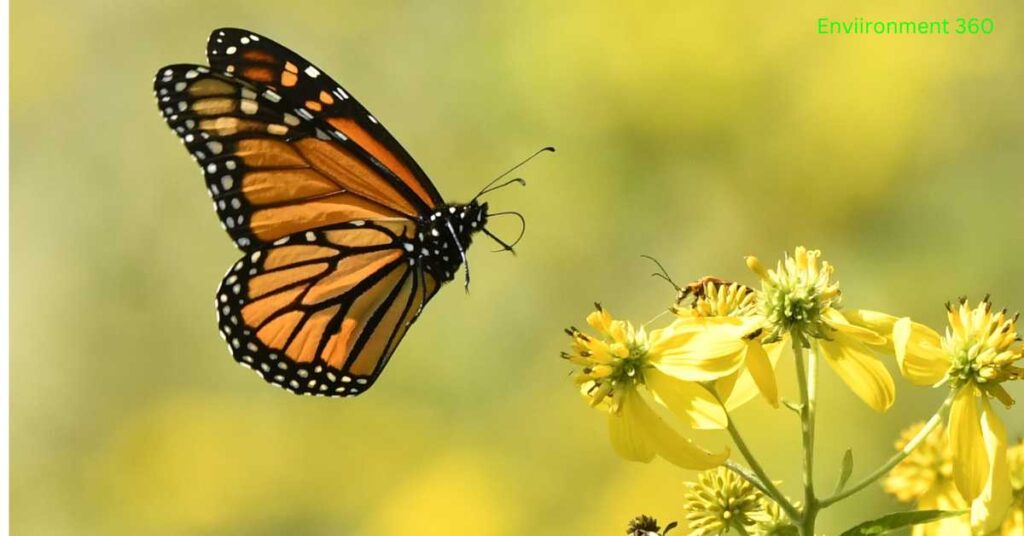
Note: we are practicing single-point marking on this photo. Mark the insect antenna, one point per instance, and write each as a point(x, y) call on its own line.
point(662, 273)
point(488, 188)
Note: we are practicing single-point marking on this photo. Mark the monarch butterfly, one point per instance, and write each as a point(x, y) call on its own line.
point(345, 238)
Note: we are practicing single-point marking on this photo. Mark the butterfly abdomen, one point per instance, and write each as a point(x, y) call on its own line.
point(445, 235)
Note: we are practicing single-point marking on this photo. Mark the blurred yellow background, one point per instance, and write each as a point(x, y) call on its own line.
point(694, 132)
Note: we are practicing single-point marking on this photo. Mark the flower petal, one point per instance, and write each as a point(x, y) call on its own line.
point(860, 369)
point(725, 385)
point(629, 439)
point(919, 353)
point(745, 387)
point(967, 442)
point(763, 372)
point(701, 355)
point(880, 323)
point(688, 400)
point(836, 319)
point(992, 505)
point(666, 442)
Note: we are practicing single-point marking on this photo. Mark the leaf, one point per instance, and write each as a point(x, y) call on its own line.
point(795, 407)
point(845, 471)
point(898, 520)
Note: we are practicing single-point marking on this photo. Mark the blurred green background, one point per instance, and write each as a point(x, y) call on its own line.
point(693, 132)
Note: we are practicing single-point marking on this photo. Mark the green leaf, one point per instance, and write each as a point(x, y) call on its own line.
point(898, 520)
point(845, 472)
point(795, 407)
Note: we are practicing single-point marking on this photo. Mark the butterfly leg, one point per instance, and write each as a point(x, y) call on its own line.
point(462, 251)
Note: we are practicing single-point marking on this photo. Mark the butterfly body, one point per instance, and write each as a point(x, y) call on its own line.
point(445, 235)
point(345, 239)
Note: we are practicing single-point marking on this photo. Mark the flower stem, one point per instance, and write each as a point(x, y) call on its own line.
point(807, 382)
point(937, 418)
point(762, 481)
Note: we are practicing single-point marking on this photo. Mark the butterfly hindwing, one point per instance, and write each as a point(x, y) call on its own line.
point(321, 312)
point(271, 172)
point(309, 90)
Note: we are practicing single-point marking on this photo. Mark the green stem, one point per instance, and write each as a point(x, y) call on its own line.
point(762, 482)
point(807, 382)
point(940, 415)
point(748, 475)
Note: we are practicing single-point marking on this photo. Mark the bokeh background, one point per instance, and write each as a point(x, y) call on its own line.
point(695, 132)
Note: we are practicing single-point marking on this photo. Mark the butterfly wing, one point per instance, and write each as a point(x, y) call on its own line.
point(272, 172)
point(321, 312)
point(309, 90)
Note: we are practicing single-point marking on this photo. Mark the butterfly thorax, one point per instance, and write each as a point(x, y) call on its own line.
point(445, 235)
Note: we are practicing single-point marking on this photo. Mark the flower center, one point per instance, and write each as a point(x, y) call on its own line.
point(629, 369)
point(795, 296)
point(720, 501)
point(722, 299)
point(982, 346)
point(610, 362)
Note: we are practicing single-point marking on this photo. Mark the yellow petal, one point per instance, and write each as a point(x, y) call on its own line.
point(699, 356)
point(880, 323)
point(589, 388)
point(629, 439)
point(989, 509)
point(942, 497)
point(725, 386)
point(690, 325)
point(919, 353)
point(666, 442)
point(762, 371)
point(755, 266)
point(600, 320)
point(860, 369)
point(687, 400)
point(745, 388)
point(970, 459)
point(836, 320)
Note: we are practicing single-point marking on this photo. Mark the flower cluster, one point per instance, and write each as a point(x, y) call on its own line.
point(621, 362)
point(721, 348)
point(925, 479)
point(719, 502)
point(979, 352)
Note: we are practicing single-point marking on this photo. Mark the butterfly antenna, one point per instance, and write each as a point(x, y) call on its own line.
point(488, 188)
point(662, 273)
point(462, 251)
point(522, 231)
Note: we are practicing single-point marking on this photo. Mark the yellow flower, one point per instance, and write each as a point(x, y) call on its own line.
point(772, 520)
point(714, 298)
point(798, 300)
point(622, 360)
point(978, 353)
point(1014, 523)
point(720, 501)
point(925, 478)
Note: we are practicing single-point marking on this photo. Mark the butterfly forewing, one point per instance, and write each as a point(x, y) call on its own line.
point(270, 172)
point(311, 92)
point(321, 312)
